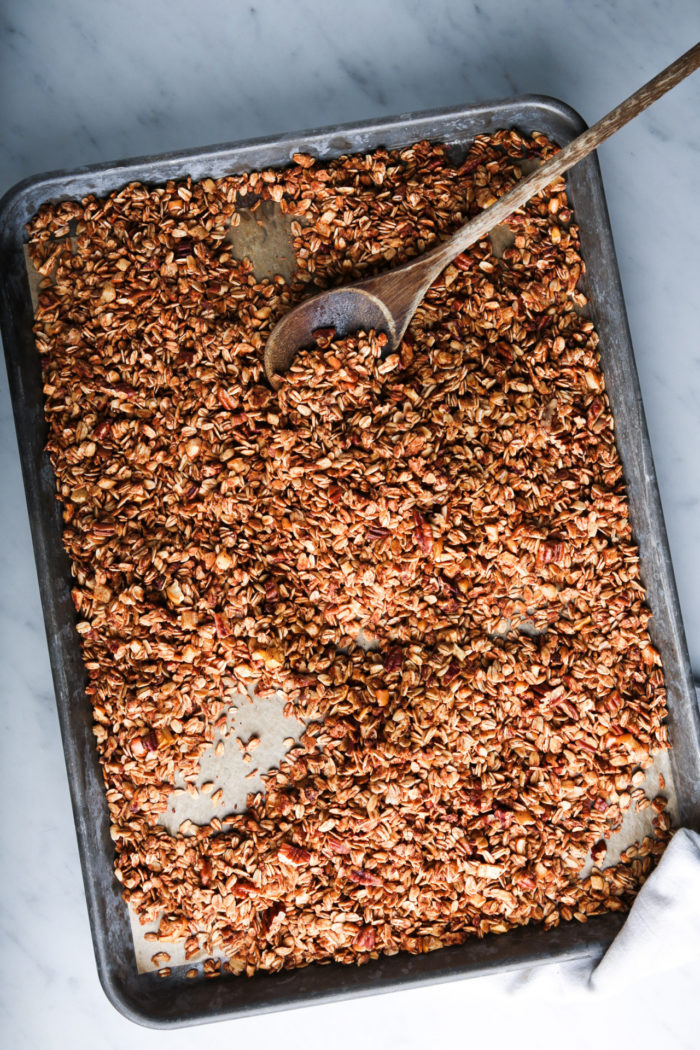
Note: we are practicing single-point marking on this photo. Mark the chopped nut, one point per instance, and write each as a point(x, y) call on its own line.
point(293, 855)
point(598, 851)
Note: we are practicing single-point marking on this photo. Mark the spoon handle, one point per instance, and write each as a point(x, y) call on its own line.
point(569, 155)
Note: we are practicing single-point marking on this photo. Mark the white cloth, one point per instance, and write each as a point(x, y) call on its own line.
point(663, 927)
point(662, 931)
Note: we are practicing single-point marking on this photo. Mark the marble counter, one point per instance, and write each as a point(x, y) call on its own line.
point(87, 83)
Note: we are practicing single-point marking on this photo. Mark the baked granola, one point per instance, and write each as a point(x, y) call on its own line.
point(461, 503)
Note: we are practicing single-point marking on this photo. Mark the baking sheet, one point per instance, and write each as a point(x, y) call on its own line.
point(146, 997)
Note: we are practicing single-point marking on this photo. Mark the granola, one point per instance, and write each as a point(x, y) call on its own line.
point(460, 502)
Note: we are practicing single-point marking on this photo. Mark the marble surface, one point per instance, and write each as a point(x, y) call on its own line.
point(90, 82)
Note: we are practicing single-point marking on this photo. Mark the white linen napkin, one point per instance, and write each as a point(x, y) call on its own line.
point(662, 931)
point(663, 927)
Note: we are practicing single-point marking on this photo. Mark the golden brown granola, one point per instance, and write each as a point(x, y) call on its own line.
point(461, 502)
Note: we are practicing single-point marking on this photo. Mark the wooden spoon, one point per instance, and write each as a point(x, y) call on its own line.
point(387, 302)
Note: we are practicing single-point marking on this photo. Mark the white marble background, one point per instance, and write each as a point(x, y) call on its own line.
point(85, 82)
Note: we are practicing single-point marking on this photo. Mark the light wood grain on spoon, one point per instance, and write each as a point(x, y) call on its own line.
point(389, 301)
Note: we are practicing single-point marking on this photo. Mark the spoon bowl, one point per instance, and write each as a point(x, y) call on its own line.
point(345, 310)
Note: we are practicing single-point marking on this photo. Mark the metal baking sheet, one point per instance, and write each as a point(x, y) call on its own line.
point(144, 997)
